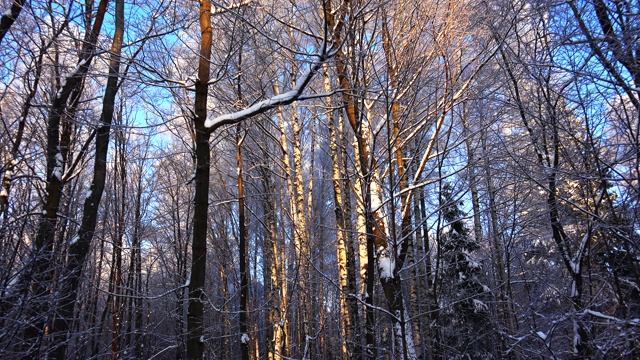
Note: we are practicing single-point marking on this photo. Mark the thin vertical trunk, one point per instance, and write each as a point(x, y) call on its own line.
point(138, 318)
point(301, 234)
point(116, 307)
point(423, 253)
point(295, 183)
point(345, 257)
point(255, 320)
point(293, 176)
point(276, 290)
point(314, 312)
point(352, 246)
point(181, 248)
point(103, 327)
point(116, 263)
point(225, 328)
point(505, 312)
point(269, 273)
point(283, 277)
point(133, 319)
point(244, 279)
point(92, 313)
point(243, 252)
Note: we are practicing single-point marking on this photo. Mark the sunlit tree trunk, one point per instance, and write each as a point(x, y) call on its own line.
point(335, 19)
point(300, 229)
point(195, 314)
point(275, 286)
point(405, 250)
point(283, 281)
point(301, 235)
point(346, 256)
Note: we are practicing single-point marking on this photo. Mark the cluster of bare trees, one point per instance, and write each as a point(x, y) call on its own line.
point(437, 179)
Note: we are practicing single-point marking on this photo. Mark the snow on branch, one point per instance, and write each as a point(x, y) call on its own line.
point(275, 101)
point(222, 9)
point(611, 318)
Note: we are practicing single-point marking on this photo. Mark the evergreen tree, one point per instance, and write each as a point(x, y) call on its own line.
point(465, 315)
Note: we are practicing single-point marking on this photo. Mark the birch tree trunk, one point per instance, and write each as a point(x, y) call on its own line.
point(346, 255)
point(377, 237)
point(301, 236)
point(274, 273)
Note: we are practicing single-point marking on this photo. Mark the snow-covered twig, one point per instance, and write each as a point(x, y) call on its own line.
point(611, 318)
point(275, 101)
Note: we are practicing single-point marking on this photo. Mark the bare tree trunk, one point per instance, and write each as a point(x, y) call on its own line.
point(133, 336)
point(79, 249)
point(293, 176)
point(9, 16)
point(428, 305)
point(40, 272)
point(275, 293)
point(195, 315)
point(301, 236)
point(120, 190)
point(300, 229)
point(505, 306)
point(244, 279)
point(405, 243)
point(345, 252)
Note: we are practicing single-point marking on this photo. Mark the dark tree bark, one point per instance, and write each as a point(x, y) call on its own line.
point(38, 277)
point(242, 247)
point(197, 297)
point(10, 16)
point(79, 248)
point(203, 130)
